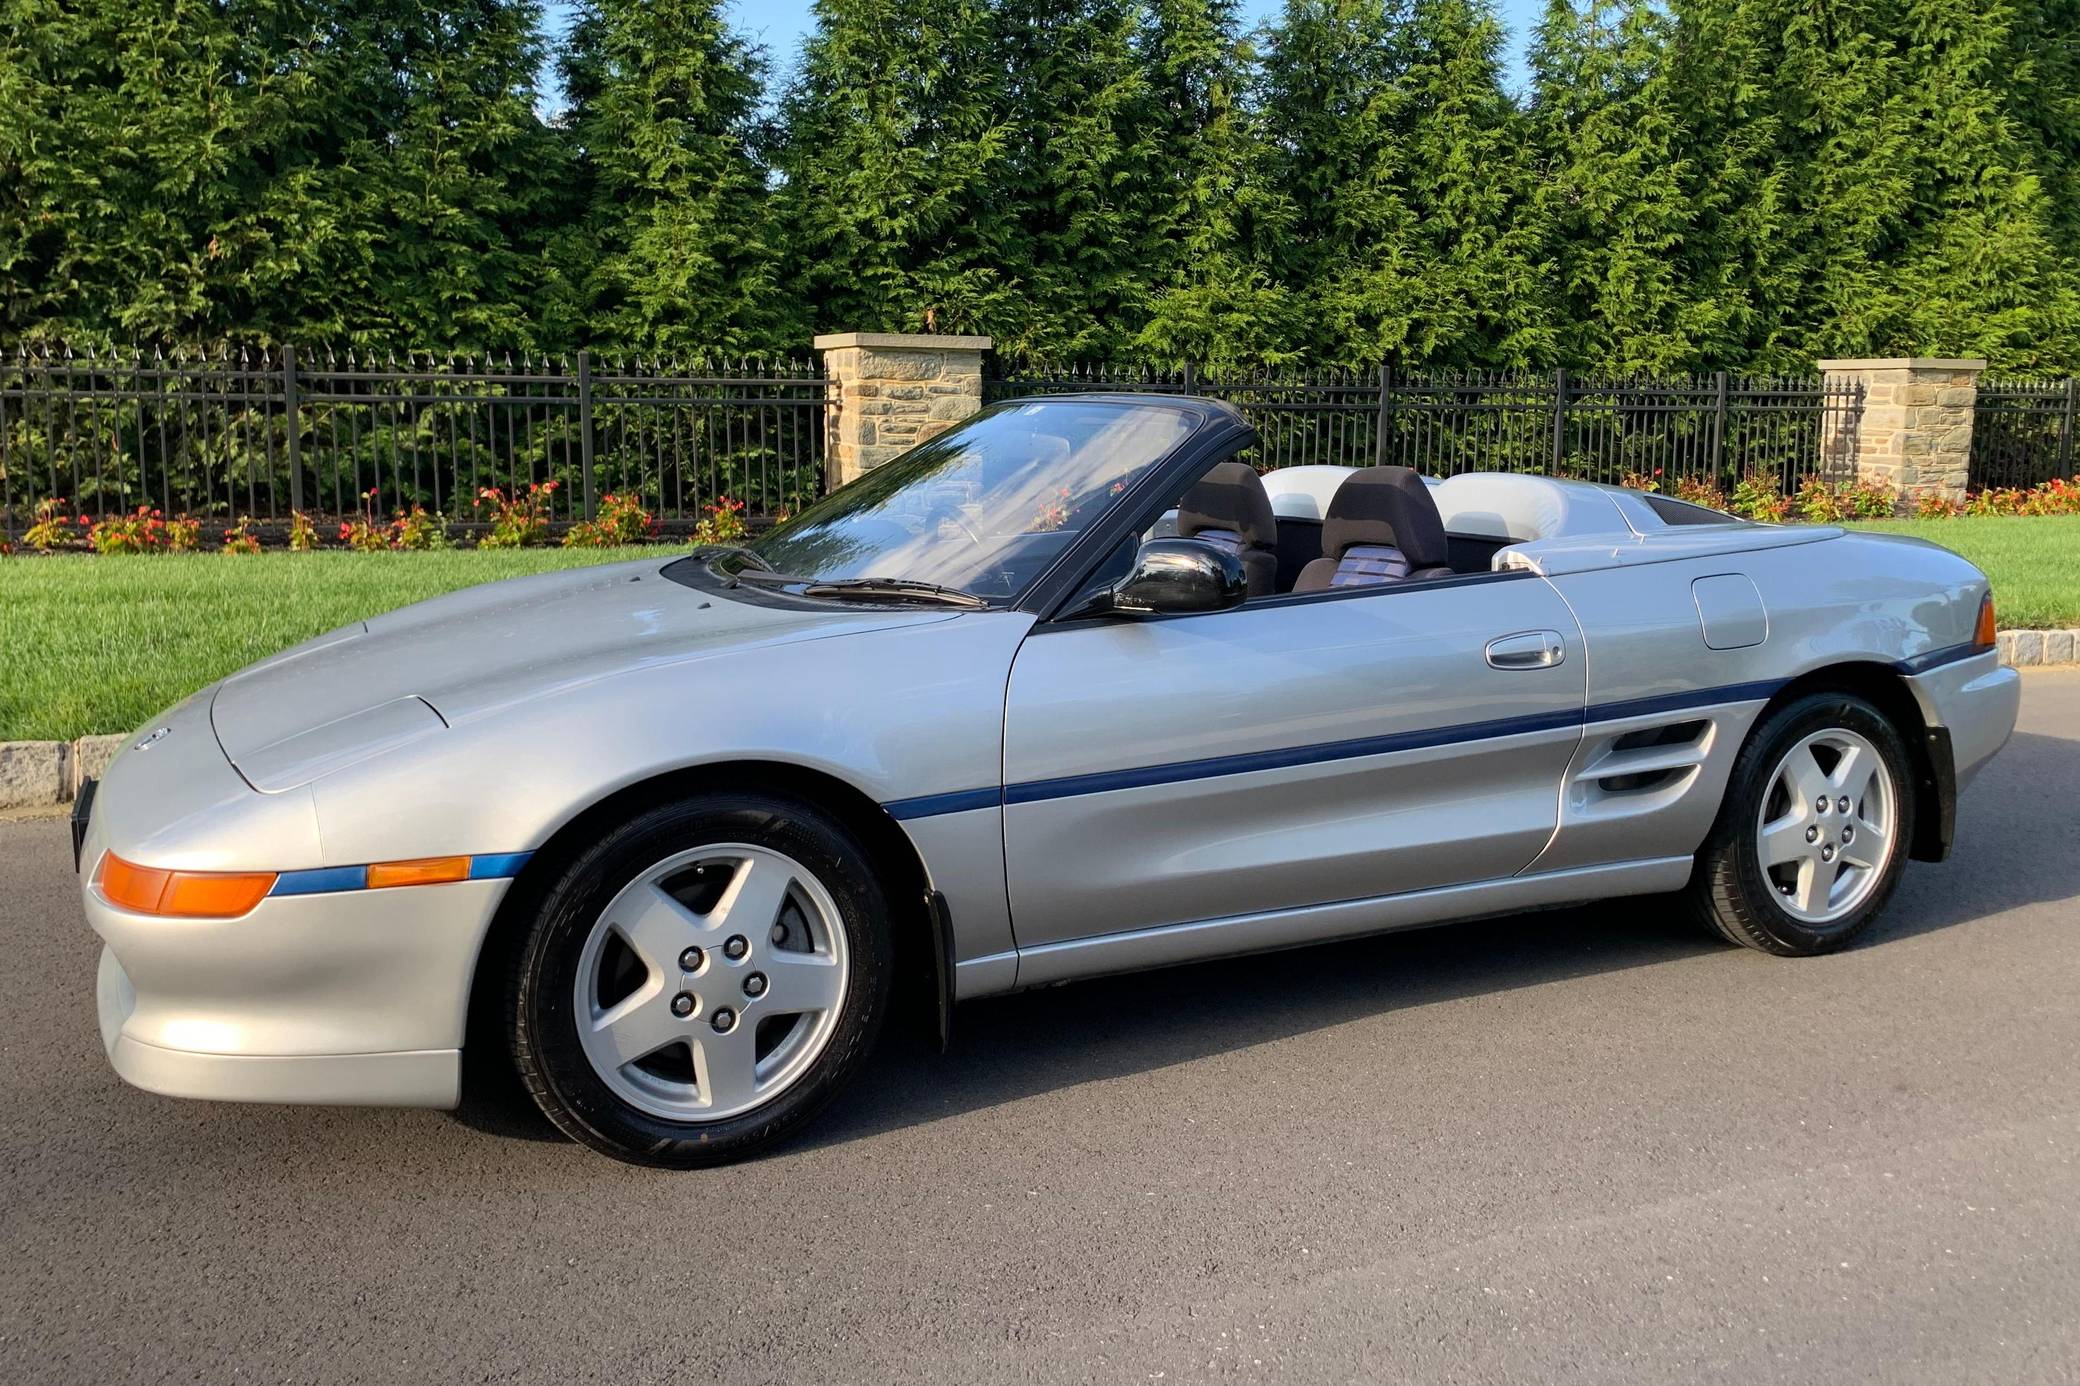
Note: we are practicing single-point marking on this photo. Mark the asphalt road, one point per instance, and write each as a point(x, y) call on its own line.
point(1585, 1145)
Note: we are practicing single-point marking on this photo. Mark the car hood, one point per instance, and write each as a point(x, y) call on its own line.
point(369, 687)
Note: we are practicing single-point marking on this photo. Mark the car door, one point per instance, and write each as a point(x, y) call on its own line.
point(1288, 753)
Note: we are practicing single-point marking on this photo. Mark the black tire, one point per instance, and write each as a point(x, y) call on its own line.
point(540, 1016)
point(1732, 894)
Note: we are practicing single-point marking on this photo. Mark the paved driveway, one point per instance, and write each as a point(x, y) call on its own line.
point(1587, 1145)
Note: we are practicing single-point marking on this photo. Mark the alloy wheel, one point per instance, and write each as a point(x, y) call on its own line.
point(711, 982)
point(1825, 832)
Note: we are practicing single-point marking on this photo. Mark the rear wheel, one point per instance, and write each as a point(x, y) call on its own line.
point(1812, 836)
point(701, 982)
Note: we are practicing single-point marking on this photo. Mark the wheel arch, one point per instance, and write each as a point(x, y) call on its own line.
point(1928, 748)
point(921, 962)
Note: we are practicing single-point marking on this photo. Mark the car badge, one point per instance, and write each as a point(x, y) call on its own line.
point(144, 742)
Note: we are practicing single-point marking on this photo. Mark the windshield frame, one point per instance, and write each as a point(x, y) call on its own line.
point(723, 566)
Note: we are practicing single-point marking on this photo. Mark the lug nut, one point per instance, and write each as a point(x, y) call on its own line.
point(1812, 834)
point(1841, 805)
point(1822, 804)
point(1848, 834)
point(755, 984)
point(682, 1004)
point(736, 947)
point(725, 1020)
point(1827, 851)
point(690, 960)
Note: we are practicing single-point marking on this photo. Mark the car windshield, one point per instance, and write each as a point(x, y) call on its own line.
point(982, 508)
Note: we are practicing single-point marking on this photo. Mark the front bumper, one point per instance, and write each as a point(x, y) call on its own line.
point(358, 997)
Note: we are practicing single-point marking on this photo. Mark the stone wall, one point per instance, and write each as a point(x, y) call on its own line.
point(891, 391)
point(1914, 432)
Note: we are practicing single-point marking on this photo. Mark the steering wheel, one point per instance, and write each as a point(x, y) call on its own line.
point(947, 509)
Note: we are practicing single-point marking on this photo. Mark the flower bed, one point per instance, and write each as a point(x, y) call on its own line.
point(1818, 501)
point(498, 521)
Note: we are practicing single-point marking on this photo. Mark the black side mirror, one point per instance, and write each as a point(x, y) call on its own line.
point(1180, 575)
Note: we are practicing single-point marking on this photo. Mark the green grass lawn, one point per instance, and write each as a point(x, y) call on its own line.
point(2033, 560)
point(100, 644)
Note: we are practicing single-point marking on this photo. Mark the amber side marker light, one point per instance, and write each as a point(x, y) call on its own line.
point(424, 871)
point(184, 894)
point(1983, 636)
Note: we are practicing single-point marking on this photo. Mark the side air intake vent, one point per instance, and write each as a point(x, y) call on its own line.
point(1639, 762)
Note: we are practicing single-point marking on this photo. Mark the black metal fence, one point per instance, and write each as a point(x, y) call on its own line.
point(262, 434)
point(1711, 428)
point(2023, 431)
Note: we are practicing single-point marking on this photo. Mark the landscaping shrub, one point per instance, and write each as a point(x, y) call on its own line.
point(364, 533)
point(1819, 502)
point(1699, 491)
point(141, 531)
point(723, 524)
point(622, 520)
point(1757, 497)
point(303, 533)
point(419, 530)
point(239, 538)
point(519, 520)
point(52, 529)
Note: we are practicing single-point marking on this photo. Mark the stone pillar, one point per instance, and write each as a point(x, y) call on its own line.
point(1914, 432)
point(889, 391)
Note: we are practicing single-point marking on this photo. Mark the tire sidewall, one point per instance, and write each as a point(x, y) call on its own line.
point(1751, 781)
point(542, 999)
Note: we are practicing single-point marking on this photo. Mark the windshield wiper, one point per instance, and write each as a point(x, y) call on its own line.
point(898, 588)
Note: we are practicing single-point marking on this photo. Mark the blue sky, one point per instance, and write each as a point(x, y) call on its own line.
point(781, 24)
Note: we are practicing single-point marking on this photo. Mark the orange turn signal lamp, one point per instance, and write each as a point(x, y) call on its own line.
point(184, 894)
point(228, 894)
point(1983, 636)
point(424, 871)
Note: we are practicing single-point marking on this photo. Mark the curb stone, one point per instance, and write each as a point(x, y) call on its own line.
point(89, 760)
point(40, 774)
point(2026, 649)
point(34, 774)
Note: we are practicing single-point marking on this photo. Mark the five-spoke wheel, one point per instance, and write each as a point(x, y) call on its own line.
point(711, 982)
point(701, 980)
point(1812, 834)
point(1824, 833)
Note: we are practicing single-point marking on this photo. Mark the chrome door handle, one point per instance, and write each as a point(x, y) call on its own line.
point(1527, 649)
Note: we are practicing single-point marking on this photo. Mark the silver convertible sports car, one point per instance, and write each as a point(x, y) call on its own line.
point(1067, 690)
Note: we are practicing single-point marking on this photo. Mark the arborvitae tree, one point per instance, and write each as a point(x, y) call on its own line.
point(457, 168)
point(1336, 131)
point(1869, 190)
point(1484, 295)
point(1414, 236)
point(895, 141)
point(157, 173)
point(1983, 273)
point(1615, 190)
point(2041, 72)
point(301, 169)
point(676, 237)
point(1215, 300)
point(1077, 177)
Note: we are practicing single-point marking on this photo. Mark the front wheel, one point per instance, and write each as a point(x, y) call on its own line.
point(700, 982)
point(1812, 836)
